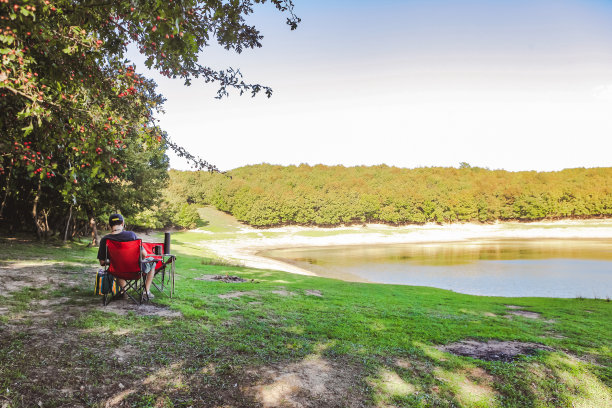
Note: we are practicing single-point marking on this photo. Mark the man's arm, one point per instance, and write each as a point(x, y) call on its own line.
point(102, 252)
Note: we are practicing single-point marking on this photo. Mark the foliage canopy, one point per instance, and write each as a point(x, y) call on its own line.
point(77, 118)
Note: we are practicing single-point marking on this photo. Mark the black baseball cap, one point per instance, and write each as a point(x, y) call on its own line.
point(115, 219)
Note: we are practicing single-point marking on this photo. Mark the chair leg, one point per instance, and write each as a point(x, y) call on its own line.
point(134, 286)
point(161, 284)
point(163, 277)
point(144, 296)
point(172, 277)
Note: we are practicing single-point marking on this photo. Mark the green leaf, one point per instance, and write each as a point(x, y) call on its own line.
point(28, 129)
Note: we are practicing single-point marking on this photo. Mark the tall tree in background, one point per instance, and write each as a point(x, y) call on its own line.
point(76, 118)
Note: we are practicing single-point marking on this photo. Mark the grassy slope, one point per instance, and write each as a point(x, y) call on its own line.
point(379, 339)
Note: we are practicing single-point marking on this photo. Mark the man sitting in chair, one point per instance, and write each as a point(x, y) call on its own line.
point(117, 224)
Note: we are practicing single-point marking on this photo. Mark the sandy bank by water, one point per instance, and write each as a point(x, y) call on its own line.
point(245, 245)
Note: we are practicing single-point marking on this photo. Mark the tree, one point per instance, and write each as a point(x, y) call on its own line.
point(71, 104)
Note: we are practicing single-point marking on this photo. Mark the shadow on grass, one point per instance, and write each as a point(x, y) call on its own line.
point(202, 223)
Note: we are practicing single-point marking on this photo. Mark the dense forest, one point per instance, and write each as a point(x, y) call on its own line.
point(267, 195)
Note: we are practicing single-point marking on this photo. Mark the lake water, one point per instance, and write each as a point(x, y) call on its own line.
point(514, 267)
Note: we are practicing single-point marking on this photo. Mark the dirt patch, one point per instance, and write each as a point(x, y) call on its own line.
point(228, 278)
point(489, 314)
point(517, 311)
point(50, 302)
point(284, 292)
point(403, 363)
point(235, 295)
point(124, 307)
point(313, 382)
point(493, 350)
point(125, 353)
point(223, 278)
point(16, 276)
point(480, 374)
point(526, 314)
point(314, 292)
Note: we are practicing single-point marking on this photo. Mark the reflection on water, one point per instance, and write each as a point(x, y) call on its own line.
point(550, 268)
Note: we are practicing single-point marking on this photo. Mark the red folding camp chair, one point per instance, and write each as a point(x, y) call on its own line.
point(164, 267)
point(125, 264)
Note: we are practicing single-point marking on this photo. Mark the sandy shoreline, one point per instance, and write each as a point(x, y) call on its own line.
point(245, 249)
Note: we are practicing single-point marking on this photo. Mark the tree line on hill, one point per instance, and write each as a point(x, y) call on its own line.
point(268, 195)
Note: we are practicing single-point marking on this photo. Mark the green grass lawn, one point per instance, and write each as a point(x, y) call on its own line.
point(283, 340)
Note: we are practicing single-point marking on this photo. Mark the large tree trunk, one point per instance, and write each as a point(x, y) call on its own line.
point(95, 238)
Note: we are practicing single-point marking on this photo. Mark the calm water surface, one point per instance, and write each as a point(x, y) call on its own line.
point(547, 268)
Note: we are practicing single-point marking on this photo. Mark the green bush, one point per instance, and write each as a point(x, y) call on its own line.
point(186, 216)
point(147, 219)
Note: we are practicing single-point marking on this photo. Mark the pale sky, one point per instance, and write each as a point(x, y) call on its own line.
point(515, 85)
